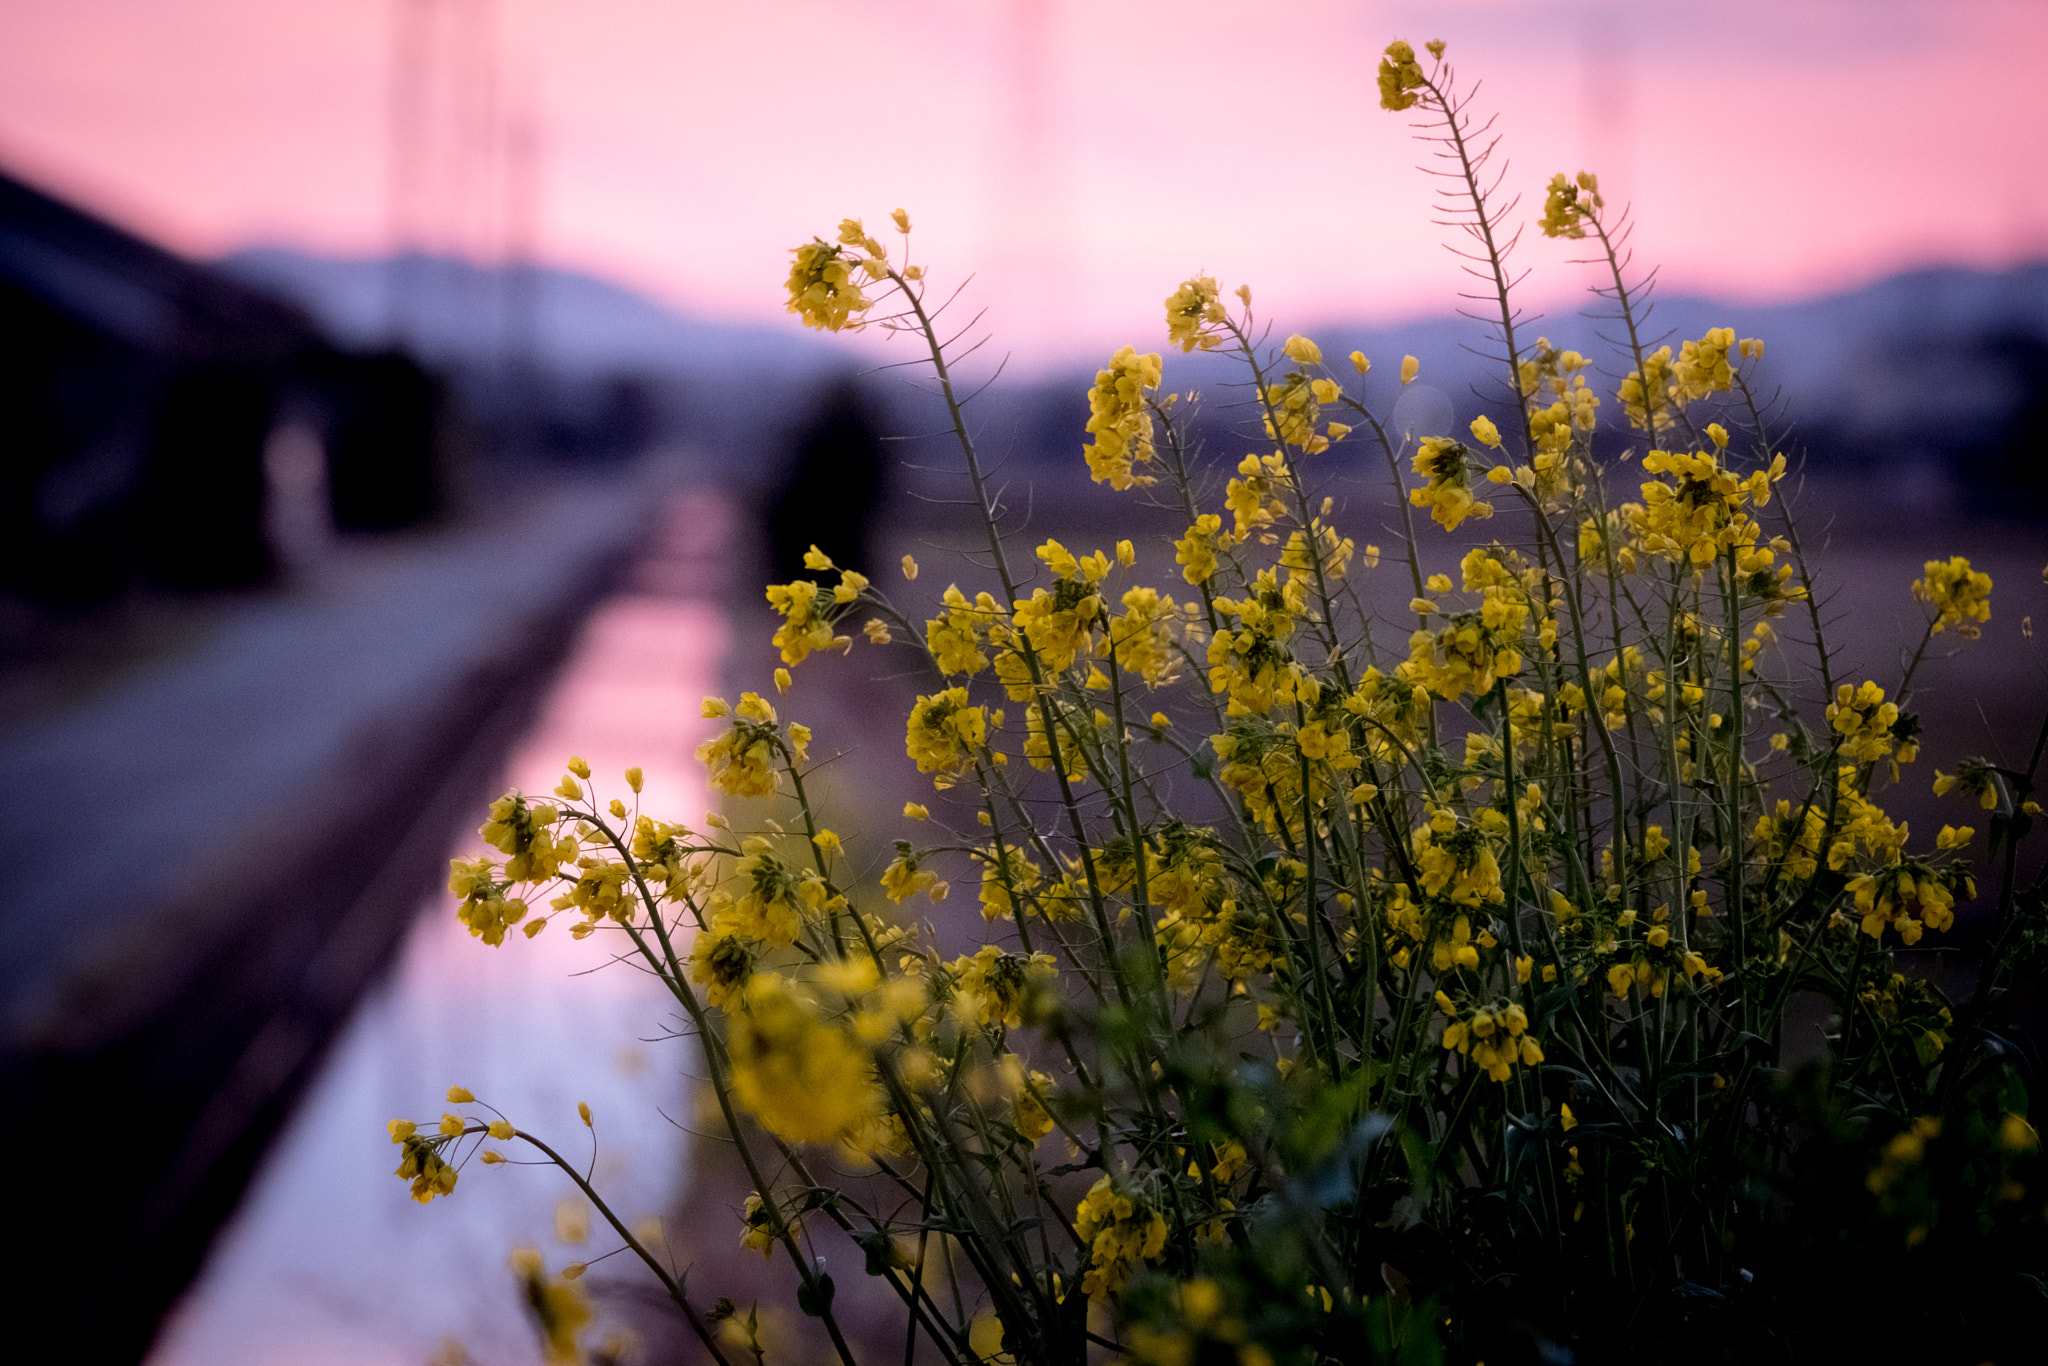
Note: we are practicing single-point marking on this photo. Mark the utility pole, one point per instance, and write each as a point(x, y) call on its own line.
point(444, 159)
point(1026, 238)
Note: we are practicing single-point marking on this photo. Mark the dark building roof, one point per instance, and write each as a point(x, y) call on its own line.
point(134, 292)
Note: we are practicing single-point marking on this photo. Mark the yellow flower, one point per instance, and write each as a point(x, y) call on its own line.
point(1250, 660)
point(721, 964)
point(742, 759)
point(1446, 465)
point(1119, 423)
point(945, 734)
point(1456, 863)
point(807, 620)
point(1292, 409)
point(1909, 896)
point(1960, 596)
point(1974, 777)
point(803, 1078)
point(757, 1222)
point(1870, 727)
point(773, 897)
point(517, 829)
point(955, 639)
point(1194, 315)
point(485, 908)
point(1142, 639)
point(1302, 351)
point(1699, 512)
point(1001, 878)
point(992, 988)
point(904, 878)
point(1121, 1232)
point(1410, 368)
point(1061, 561)
point(1060, 624)
point(559, 1309)
point(1564, 211)
point(822, 288)
point(420, 1163)
point(1703, 367)
point(1196, 551)
point(1494, 1036)
point(1399, 77)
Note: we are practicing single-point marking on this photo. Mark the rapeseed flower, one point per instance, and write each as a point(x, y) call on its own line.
point(1122, 1232)
point(1446, 466)
point(1400, 76)
point(803, 1077)
point(1119, 423)
point(1960, 596)
point(1195, 315)
point(823, 288)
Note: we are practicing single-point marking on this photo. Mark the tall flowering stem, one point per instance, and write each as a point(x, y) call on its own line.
point(1330, 998)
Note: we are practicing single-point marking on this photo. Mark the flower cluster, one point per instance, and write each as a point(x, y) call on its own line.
point(1496, 1037)
point(1569, 204)
point(1119, 425)
point(1872, 728)
point(1959, 595)
point(1121, 1232)
point(825, 278)
point(1446, 468)
point(1338, 973)
point(1195, 317)
point(809, 612)
point(1400, 76)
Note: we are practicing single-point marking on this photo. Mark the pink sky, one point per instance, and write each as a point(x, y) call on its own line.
point(1082, 157)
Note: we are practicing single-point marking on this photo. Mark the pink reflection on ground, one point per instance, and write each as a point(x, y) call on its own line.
point(329, 1260)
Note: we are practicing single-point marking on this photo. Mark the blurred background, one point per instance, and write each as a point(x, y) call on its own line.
point(396, 397)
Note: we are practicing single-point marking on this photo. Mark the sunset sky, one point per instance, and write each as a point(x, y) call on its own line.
point(1081, 157)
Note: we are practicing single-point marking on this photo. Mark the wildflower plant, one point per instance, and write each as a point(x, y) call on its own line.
point(1348, 987)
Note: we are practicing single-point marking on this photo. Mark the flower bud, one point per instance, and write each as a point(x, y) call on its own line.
point(1302, 351)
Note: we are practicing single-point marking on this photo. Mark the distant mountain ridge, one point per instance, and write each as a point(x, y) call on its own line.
point(586, 323)
point(1933, 381)
point(469, 315)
